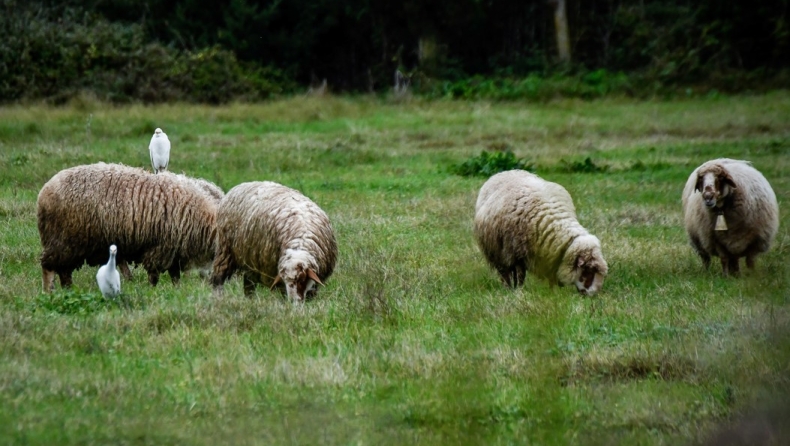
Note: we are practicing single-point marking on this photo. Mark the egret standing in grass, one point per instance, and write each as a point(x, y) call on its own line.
point(160, 151)
point(108, 278)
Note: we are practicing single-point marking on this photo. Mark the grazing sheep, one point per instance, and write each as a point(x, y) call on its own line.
point(213, 193)
point(159, 148)
point(273, 234)
point(524, 223)
point(108, 278)
point(157, 220)
point(730, 211)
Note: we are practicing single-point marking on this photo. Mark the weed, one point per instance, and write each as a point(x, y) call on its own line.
point(586, 166)
point(489, 163)
point(72, 301)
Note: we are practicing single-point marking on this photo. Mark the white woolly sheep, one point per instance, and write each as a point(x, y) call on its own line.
point(157, 220)
point(274, 234)
point(524, 223)
point(730, 211)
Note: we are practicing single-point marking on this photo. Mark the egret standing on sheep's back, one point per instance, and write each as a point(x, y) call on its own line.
point(160, 151)
point(108, 278)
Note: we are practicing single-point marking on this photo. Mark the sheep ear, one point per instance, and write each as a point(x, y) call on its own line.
point(311, 274)
point(725, 178)
point(698, 186)
point(580, 262)
point(277, 280)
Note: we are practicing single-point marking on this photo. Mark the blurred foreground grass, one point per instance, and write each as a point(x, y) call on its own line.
point(413, 340)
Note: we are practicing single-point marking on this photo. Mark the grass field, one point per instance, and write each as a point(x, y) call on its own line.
point(413, 340)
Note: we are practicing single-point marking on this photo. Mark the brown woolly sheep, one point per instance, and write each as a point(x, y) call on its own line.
point(157, 220)
point(730, 211)
point(274, 234)
point(212, 192)
point(524, 223)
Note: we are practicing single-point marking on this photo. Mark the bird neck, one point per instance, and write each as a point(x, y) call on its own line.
point(111, 263)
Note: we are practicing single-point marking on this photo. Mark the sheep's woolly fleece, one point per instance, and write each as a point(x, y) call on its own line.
point(747, 205)
point(266, 229)
point(213, 193)
point(157, 220)
point(524, 223)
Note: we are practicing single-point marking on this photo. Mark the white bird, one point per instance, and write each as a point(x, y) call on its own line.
point(108, 278)
point(160, 151)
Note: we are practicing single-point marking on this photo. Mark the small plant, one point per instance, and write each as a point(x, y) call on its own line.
point(586, 166)
point(639, 166)
point(19, 160)
point(489, 163)
point(72, 301)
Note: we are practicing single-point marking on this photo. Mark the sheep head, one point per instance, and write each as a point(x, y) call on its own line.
point(299, 277)
point(716, 184)
point(587, 268)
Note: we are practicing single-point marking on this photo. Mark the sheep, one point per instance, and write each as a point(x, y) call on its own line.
point(159, 149)
point(108, 278)
point(210, 191)
point(157, 220)
point(276, 236)
point(524, 223)
point(729, 211)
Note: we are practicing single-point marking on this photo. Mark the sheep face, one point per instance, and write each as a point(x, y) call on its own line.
point(299, 278)
point(589, 268)
point(715, 185)
point(589, 276)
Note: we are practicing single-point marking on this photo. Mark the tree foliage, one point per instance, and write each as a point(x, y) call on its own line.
point(148, 49)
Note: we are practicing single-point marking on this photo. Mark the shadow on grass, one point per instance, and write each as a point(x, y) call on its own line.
point(664, 367)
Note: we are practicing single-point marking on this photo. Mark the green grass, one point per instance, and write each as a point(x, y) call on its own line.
point(413, 340)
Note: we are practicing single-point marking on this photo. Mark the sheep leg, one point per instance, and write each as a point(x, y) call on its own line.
point(65, 278)
point(734, 268)
point(249, 285)
point(705, 260)
point(697, 245)
point(48, 280)
point(224, 267)
point(156, 261)
point(519, 273)
point(753, 250)
point(505, 275)
point(175, 273)
point(153, 277)
point(729, 265)
point(725, 265)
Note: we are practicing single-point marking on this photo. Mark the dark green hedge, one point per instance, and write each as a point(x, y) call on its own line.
point(58, 53)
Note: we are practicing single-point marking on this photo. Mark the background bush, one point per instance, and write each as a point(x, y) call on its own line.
point(194, 50)
point(59, 53)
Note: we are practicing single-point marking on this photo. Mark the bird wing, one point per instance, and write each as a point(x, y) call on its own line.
point(166, 151)
point(116, 284)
